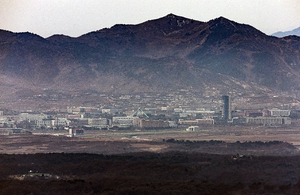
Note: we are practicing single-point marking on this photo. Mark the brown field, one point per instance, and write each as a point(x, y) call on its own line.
point(219, 160)
point(124, 141)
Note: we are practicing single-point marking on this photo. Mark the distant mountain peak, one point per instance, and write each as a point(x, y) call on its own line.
point(168, 25)
point(222, 24)
point(171, 15)
point(296, 32)
point(174, 20)
point(222, 20)
point(171, 52)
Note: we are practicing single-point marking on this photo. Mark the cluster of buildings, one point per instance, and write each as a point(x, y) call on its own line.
point(91, 118)
point(255, 117)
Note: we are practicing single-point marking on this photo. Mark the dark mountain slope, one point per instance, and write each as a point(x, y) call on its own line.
point(165, 54)
point(28, 56)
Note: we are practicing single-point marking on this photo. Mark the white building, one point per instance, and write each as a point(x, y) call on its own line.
point(111, 111)
point(61, 122)
point(278, 112)
point(99, 122)
point(269, 120)
point(123, 120)
point(193, 128)
point(47, 123)
point(204, 121)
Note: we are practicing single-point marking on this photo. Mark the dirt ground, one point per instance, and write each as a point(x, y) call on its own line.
point(125, 141)
point(219, 160)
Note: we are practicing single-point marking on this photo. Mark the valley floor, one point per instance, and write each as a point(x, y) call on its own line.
point(125, 141)
point(213, 161)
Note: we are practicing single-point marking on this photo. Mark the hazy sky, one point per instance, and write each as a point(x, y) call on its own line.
point(77, 17)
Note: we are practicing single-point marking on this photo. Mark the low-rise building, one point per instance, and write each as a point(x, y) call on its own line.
point(193, 128)
point(2, 122)
point(278, 112)
point(269, 120)
point(76, 131)
point(79, 122)
point(61, 122)
point(74, 116)
point(99, 122)
point(48, 122)
point(123, 120)
point(112, 111)
point(253, 113)
point(148, 124)
point(206, 121)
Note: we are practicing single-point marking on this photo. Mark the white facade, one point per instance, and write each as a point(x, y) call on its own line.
point(111, 111)
point(123, 120)
point(205, 121)
point(31, 117)
point(97, 121)
point(277, 112)
point(269, 120)
point(61, 122)
point(48, 123)
point(193, 128)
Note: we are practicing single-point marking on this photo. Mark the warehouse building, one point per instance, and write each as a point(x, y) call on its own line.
point(269, 120)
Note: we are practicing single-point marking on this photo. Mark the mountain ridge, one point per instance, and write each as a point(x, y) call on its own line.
point(164, 54)
point(294, 32)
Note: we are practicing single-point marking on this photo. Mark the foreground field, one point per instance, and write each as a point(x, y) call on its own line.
point(213, 161)
point(148, 173)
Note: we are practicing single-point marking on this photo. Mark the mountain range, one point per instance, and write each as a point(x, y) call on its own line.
point(160, 55)
point(287, 33)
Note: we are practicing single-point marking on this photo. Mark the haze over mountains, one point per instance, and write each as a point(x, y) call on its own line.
point(287, 33)
point(165, 54)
